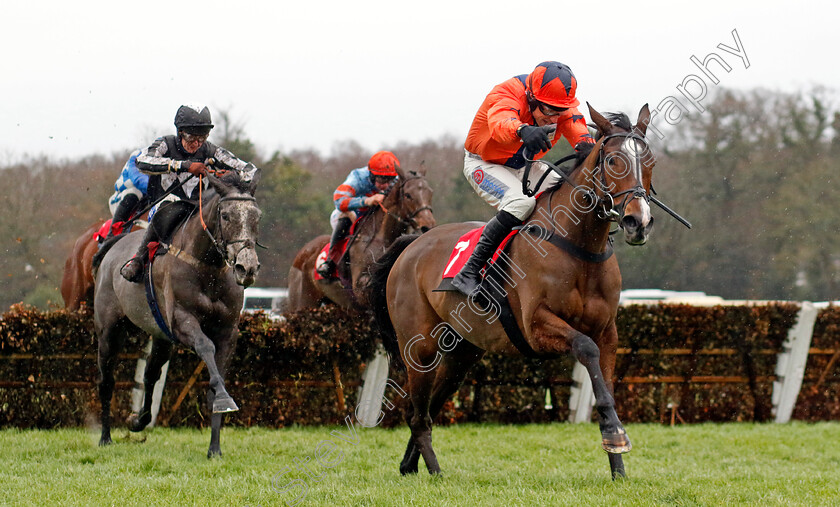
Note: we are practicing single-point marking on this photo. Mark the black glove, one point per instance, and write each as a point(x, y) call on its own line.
point(582, 150)
point(536, 139)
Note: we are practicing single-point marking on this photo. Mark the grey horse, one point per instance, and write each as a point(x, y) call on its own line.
point(199, 286)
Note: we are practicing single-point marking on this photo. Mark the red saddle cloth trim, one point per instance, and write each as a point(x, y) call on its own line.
point(339, 251)
point(322, 257)
point(102, 233)
point(464, 248)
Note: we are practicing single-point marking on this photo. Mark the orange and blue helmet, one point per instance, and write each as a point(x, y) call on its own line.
point(553, 83)
point(383, 163)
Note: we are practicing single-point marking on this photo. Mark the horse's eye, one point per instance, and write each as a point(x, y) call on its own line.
point(408, 196)
point(225, 216)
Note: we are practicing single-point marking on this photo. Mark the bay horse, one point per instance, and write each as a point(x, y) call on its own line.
point(77, 280)
point(562, 284)
point(406, 207)
point(200, 288)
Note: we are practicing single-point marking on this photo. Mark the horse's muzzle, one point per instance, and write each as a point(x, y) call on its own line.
point(246, 267)
point(637, 221)
point(634, 232)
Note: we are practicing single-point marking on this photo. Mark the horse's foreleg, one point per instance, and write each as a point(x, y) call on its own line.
point(188, 330)
point(224, 352)
point(615, 439)
point(161, 350)
point(546, 333)
point(110, 344)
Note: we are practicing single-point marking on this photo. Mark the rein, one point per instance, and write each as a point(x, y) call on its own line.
point(608, 209)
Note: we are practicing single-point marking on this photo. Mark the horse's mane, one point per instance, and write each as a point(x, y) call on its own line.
point(620, 120)
point(230, 179)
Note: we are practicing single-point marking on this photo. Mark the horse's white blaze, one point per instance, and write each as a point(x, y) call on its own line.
point(634, 155)
point(645, 207)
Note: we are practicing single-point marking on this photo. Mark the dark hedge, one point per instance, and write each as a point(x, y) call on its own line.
point(283, 372)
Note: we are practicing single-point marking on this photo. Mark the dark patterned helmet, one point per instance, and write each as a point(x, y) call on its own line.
point(193, 119)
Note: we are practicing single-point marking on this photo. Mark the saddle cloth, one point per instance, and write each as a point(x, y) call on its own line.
point(340, 249)
point(461, 253)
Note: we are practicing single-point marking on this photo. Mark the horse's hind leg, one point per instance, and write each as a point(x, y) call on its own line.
point(161, 350)
point(111, 339)
point(450, 375)
point(420, 387)
point(224, 353)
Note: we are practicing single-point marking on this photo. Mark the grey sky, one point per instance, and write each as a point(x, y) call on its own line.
point(97, 77)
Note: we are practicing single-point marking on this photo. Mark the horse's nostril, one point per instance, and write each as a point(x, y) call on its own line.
point(630, 222)
point(424, 229)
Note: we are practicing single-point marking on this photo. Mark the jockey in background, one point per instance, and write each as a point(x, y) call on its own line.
point(130, 188)
point(364, 187)
point(173, 160)
point(519, 115)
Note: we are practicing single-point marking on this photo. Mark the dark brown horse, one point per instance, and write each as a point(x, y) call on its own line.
point(199, 286)
point(77, 281)
point(406, 207)
point(560, 279)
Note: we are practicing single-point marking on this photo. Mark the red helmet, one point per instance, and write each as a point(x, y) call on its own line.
point(553, 83)
point(383, 163)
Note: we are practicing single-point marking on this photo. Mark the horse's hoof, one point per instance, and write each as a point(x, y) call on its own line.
point(407, 470)
point(616, 443)
point(224, 404)
point(214, 453)
point(105, 441)
point(138, 422)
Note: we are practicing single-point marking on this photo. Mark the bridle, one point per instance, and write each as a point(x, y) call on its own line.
point(609, 210)
point(606, 202)
point(221, 243)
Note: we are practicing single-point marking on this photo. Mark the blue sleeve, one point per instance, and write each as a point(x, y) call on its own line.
point(140, 180)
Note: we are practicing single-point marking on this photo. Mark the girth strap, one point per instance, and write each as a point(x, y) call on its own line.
point(153, 304)
point(490, 286)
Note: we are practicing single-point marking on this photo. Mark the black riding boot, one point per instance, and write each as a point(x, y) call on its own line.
point(161, 228)
point(123, 212)
point(469, 278)
point(341, 229)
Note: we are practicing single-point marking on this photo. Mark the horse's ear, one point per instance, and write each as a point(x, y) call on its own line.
point(221, 188)
point(422, 169)
point(604, 125)
point(642, 122)
point(400, 172)
point(255, 180)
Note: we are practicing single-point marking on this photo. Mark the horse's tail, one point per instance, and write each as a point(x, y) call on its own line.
point(377, 298)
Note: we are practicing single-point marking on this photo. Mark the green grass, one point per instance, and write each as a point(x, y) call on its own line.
point(557, 464)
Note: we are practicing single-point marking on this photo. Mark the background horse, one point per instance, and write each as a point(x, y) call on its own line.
point(77, 281)
point(561, 280)
point(199, 286)
point(406, 207)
